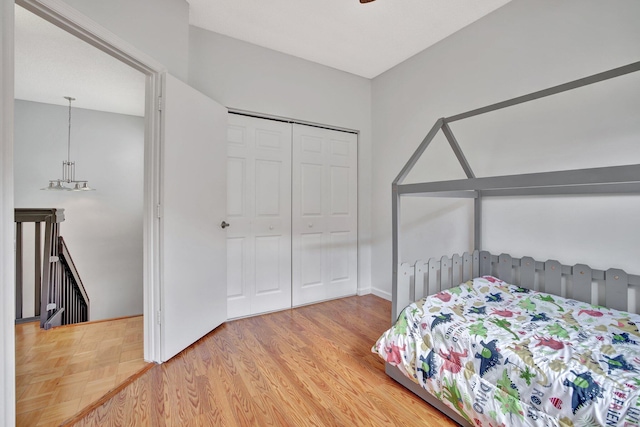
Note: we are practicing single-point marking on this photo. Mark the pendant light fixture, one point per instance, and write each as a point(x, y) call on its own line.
point(68, 182)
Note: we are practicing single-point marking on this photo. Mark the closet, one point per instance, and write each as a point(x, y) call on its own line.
point(292, 213)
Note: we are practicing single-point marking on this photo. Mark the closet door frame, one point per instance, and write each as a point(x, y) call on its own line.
point(322, 126)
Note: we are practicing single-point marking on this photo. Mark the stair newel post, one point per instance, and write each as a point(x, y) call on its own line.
point(38, 268)
point(46, 274)
point(18, 270)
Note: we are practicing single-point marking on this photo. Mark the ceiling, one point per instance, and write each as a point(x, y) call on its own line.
point(362, 39)
point(51, 64)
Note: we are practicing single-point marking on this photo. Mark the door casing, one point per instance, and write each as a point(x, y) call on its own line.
point(69, 19)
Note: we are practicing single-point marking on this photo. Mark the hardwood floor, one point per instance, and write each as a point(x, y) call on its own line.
point(310, 366)
point(65, 369)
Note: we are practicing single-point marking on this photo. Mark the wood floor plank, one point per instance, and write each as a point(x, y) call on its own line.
point(274, 381)
point(280, 348)
point(310, 366)
point(331, 352)
point(255, 371)
point(63, 370)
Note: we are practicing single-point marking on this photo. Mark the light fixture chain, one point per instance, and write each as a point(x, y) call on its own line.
point(69, 133)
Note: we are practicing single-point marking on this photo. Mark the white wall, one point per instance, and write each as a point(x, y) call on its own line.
point(162, 34)
point(248, 77)
point(103, 228)
point(159, 28)
point(524, 46)
point(7, 266)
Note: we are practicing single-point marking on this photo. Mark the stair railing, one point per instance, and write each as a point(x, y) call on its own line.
point(71, 295)
point(60, 297)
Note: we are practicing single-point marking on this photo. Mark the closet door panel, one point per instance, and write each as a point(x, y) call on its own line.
point(311, 190)
point(236, 268)
point(343, 214)
point(272, 224)
point(268, 185)
point(263, 189)
point(339, 256)
point(240, 259)
point(339, 203)
point(310, 265)
point(236, 171)
point(324, 201)
point(268, 272)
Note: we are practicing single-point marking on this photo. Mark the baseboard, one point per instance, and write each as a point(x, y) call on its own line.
point(27, 320)
point(364, 291)
point(382, 294)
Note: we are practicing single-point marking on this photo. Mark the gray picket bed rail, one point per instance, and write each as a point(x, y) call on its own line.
point(608, 288)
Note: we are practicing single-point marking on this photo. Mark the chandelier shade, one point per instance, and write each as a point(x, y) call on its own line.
point(68, 182)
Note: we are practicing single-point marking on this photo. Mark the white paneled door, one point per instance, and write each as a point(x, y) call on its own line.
point(193, 205)
point(324, 214)
point(259, 214)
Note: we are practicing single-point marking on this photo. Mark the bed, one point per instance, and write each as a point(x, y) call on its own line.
point(495, 340)
point(501, 354)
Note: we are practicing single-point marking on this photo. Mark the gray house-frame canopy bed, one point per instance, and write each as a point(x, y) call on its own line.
point(498, 340)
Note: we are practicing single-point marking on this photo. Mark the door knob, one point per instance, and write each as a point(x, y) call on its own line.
point(224, 224)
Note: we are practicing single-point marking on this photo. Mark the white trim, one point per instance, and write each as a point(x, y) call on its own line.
point(69, 19)
point(382, 294)
point(289, 120)
point(7, 234)
point(365, 291)
point(151, 221)
point(359, 289)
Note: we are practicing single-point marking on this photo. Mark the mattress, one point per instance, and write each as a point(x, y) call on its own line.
point(501, 355)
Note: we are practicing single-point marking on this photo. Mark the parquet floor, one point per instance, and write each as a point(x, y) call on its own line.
point(65, 369)
point(309, 366)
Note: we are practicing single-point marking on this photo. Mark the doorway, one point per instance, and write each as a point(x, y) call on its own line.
point(70, 21)
point(184, 178)
point(103, 131)
point(184, 160)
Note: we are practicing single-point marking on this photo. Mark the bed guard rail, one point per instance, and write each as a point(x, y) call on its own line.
point(612, 288)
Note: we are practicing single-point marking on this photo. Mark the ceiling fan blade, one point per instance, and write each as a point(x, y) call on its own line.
point(365, 1)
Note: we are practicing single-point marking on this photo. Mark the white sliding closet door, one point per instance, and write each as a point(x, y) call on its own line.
point(324, 214)
point(259, 214)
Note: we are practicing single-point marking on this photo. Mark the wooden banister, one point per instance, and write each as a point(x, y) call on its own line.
point(39, 215)
point(51, 217)
point(60, 297)
point(74, 293)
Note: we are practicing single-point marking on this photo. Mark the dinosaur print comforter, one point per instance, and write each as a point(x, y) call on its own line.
point(501, 355)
